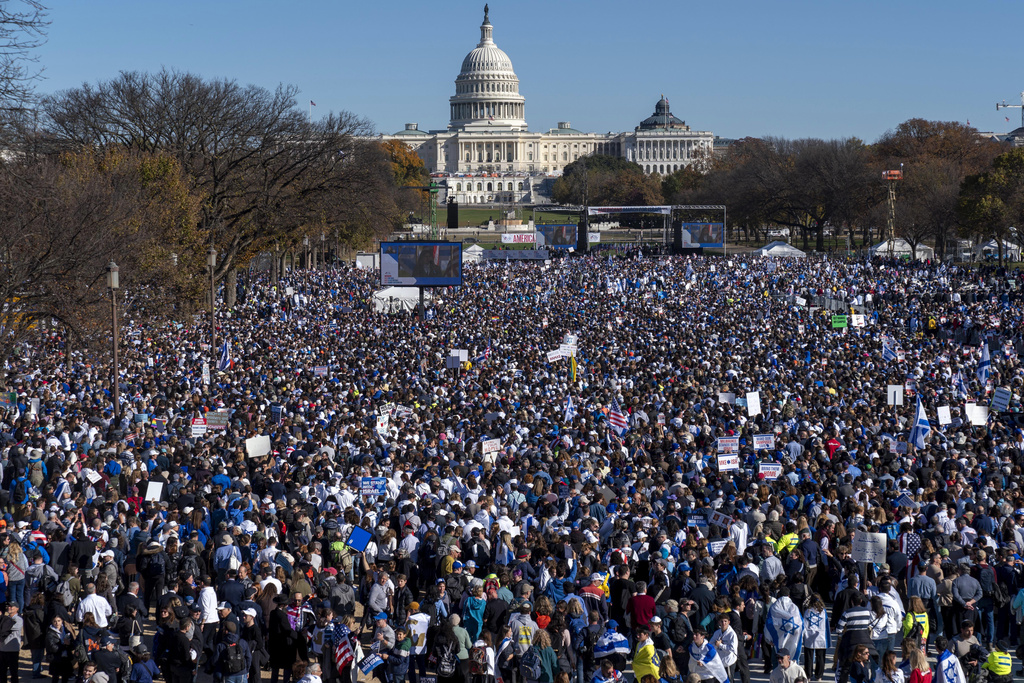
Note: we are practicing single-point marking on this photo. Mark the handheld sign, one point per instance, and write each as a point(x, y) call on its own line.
point(358, 539)
point(257, 446)
point(319, 370)
point(839, 322)
point(905, 501)
point(206, 373)
point(944, 416)
point(217, 420)
point(753, 403)
point(720, 520)
point(198, 427)
point(490, 446)
point(1001, 399)
point(373, 486)
point(727, 397)
point(764, 442)
point(770, 470)
point(715, 547)
point(154, 490)
point(554, 355)
point(869, 547)
point(894, 394)
point(727, 463)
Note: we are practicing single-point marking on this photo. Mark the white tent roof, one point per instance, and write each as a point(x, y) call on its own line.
point(1009, 248)
point(394, 299)
point(901, 247)
point(473, 254)
point(780, 249)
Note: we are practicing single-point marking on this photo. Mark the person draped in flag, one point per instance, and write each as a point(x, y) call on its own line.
point(646, 660)
point(704, 659)
point(948, 668)
point(612, 644)
point(570, 411)
point(984, 365)
point(784, 627)
point(224, 363)
point(921, 429)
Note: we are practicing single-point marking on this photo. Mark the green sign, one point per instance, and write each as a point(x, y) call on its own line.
point(8, 400)
point(838, 322)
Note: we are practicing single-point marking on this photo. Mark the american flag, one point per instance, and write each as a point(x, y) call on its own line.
point(617, 419)
point(343, 654)
point(487, 351)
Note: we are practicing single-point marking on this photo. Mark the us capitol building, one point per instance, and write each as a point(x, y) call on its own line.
point(488, 155)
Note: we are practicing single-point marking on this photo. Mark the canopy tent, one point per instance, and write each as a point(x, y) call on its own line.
point(780, 249)
point(901, 248)
point(396, 299)
point(1011, 251)
point(473, 255)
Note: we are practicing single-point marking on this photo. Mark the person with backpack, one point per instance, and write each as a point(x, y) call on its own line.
point(231, 657)
point(20, 489)
point(153, 565)
point(39, 578)
point(445, 654)
point(482, 661)
point(539, 663)
point(915, 623)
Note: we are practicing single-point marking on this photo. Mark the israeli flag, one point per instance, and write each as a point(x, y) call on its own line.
point(888, 354)
point(960, 386)
point(225, 357)
point(985, 366)
point(611, 643)
point(785, 627)
point(570, 411)
point(950, 670)
point(921, 428)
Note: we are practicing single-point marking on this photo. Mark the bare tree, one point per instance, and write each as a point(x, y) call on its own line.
point(23, 26)
point(267, 174)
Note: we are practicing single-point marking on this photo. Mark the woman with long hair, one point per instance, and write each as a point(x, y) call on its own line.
point(889, 671)
point(816, 638)
point(17, 565)
point(60, 651)
point(880, 619)
point(920, 671)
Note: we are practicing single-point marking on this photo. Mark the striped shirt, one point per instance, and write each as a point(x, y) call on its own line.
point(855, 619)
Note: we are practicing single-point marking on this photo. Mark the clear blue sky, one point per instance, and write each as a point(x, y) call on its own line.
point(795, 69)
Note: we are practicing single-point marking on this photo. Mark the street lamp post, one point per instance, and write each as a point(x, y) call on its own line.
point(113, 282)
point(211, 261)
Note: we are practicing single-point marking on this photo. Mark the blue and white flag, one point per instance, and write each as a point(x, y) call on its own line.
point(905, 501)
point(225, 357)
point(949, 668)
point(888, 354)
point(785, 627)
point(960, 386)
point(817, 634)
point(985, 365)
point(570, 411)
point(921, 428)
point(708, 655)
point(611, 643)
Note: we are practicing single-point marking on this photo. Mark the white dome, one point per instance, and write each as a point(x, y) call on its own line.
point(487, 89)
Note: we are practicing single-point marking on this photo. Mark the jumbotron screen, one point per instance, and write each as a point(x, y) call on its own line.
point(421, 264)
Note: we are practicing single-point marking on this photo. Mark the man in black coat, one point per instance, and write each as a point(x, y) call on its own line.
point(181, 658)
point(283, 641)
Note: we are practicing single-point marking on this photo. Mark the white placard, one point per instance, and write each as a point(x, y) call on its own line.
point(894, 394)
point(944, 416)
point(978, 415)
point(800, 301)
point(719, 519)
point(95, 477)
point(594, 237)
point(857, 320)
point(288, 291)
point(727, 397)
point(869, 547)
point(154, 490)
point(567, 350)
point(33, 406)
point(570, 339)
point(764, 442)
point(753, 403)
point(257, 446)
point(715, 547)
point(461, 354)
point(727, 463)
point(199, 427)
point(770, 470)
point(554, 355)
point(490, 446)
point(206, 373)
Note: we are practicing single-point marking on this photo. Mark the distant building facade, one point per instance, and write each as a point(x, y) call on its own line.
point(487, 137)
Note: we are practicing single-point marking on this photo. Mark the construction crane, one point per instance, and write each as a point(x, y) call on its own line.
point(1004, 105)
point(891, 178)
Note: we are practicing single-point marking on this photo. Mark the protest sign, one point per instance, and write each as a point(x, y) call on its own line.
point(95, 477)
point(206, 373)
point(567, 350)
point(727, 463)
point(764, 442)
point(839, 322)
point(753, 403)
point(869, 547)
point(373, 486)
point(715, 547)
point(358, 539)
point(369, 663)
point(1001, 399)
point(554, 355)
point(9, 400)
point(570, 339)
point(770, 470)
point(319, 370)
point(729, 444)
point(800, 301)
point(490, 446)
point(154, 491)
point(901, 355)
point(857, 320)
point(198, 427)
point(944, 416)
point(217, 420)
point(257, 446)
point(899, 447)
point(894, 394)
point(905, 501)
point(275, 414)
point(719, 519)
point(978, 415)
point(726, 397)
point(33, 406)
point(697, 519)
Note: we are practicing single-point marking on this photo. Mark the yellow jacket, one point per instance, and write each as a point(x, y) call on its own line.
point(646, 661)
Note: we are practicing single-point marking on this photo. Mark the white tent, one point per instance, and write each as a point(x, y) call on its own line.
point(395, 299)
point(1011, 252)
point(901, 248)
point(781, 250)
point(473, 255)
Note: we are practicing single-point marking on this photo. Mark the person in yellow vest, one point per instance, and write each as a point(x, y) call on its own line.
point(788, 540)
point(999, 663)
point(646, 660)
point(917, 614)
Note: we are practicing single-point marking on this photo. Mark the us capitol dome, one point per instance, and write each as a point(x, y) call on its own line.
point(488, 155)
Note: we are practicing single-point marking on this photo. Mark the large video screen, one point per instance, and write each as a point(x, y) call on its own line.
point(703, 235)
point(556, 236)
point(421, 264)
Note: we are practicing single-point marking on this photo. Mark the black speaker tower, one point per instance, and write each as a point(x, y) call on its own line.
point(453, 214)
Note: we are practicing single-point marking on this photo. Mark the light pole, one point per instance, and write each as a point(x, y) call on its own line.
point(211, 261)
point(114, 283)
point(305, 250)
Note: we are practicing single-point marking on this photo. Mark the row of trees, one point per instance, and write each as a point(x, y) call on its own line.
point(955, 184)
point(150, 171)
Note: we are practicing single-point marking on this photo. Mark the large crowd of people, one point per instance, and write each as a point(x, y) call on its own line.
point(660, 468)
